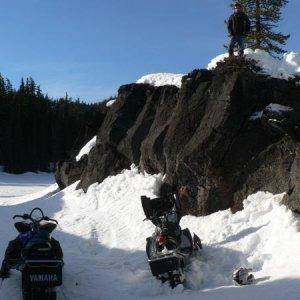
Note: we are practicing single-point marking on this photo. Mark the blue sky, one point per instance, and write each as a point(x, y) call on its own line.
point(89, 48)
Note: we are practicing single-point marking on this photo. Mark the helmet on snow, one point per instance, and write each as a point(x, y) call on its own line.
point(242, 276)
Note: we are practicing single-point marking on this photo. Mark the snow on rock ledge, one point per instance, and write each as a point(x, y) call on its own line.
point(286, 68)
point(273, 107)
point(111, 102)
point(161, 79)
point(87, 148)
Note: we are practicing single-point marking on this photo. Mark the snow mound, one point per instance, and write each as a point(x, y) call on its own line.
point(161, 79)
point(103, 237)
point(87, 148)
point(260, 237)
point(286, 68)
point(273, 107)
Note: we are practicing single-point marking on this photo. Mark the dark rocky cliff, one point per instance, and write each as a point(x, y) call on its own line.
point(202, 135)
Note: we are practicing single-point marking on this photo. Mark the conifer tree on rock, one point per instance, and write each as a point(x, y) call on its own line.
point(265, 16)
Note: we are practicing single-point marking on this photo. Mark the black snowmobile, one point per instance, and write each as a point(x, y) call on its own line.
point(170, 248)
point(41, 259)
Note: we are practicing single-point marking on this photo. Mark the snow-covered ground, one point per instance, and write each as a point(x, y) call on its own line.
point(103, 237)
point(21, 185)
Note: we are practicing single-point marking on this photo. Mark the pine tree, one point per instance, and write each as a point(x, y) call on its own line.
point(265, 16)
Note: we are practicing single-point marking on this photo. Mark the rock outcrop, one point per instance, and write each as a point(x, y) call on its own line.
point(215, 134)
point(69, 172)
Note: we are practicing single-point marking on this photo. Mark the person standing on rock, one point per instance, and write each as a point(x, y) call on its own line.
point(238, 27)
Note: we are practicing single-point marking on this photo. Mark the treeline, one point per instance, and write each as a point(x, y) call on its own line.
point(36, 131)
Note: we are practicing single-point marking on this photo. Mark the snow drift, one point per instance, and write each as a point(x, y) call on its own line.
point(103, 236)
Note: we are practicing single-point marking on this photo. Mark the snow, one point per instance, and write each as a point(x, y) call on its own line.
point(161, 79)
point(103, 237)
point(285, 68)
point(19, 185)
point(111, 102)
point(87, 148)
point(273, 107)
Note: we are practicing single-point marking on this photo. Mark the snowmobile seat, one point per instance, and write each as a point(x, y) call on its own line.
point(38, 250)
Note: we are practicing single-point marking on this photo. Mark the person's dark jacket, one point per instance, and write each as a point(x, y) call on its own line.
point(239, 24)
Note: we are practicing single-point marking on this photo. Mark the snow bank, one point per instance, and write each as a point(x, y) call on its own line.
point(264, 236)
point(87, 148)
point(161, 79)
point(273, 107)
point(103, 236)
point(283, 69)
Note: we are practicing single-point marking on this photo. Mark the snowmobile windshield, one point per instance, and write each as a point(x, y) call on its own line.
point(37, 214)
point(157, 207)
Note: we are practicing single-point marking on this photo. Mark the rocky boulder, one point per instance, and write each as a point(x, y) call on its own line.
point(69, 172)
point(121, 134)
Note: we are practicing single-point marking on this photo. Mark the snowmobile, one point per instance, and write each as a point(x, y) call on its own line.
point(170, 248)
point(40, 263)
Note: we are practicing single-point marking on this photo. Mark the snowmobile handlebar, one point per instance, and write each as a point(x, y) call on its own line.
point(33, 220)
point(27, 217)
